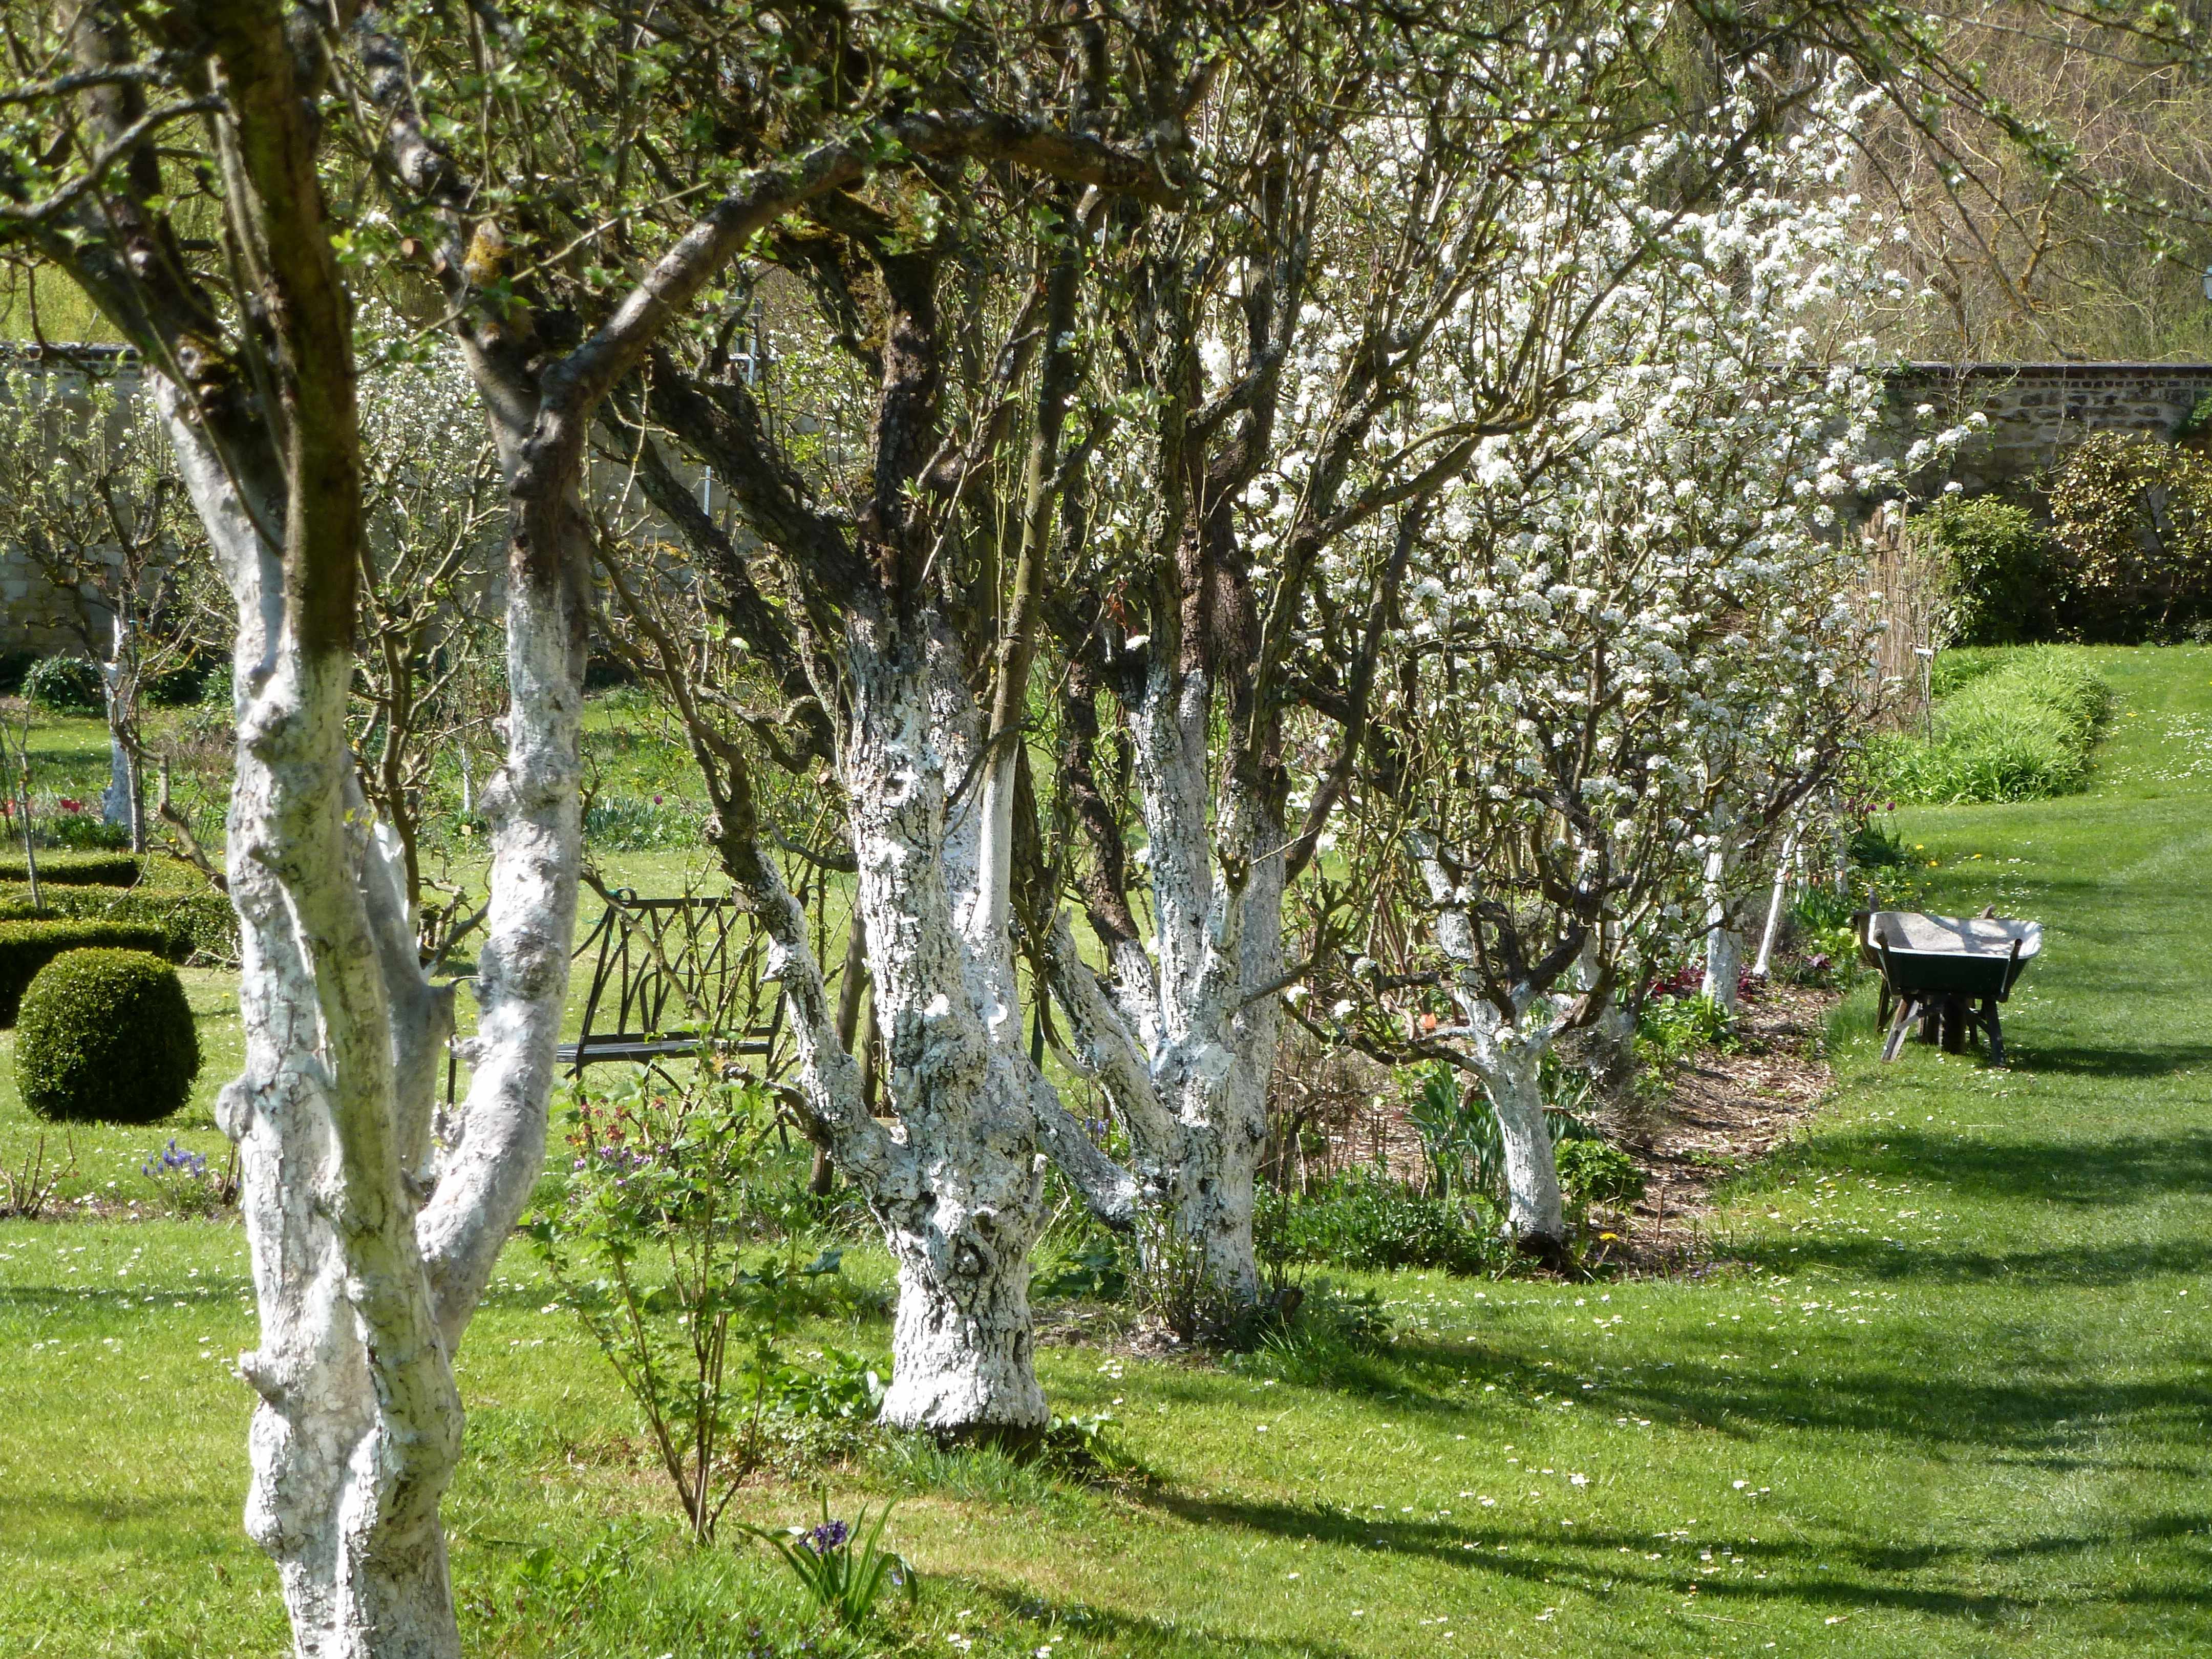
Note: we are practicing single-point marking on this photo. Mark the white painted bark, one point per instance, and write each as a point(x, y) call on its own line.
point(930, 891)
point(1781, 867)
point(123, 804)
point(957, 1184)
point(1508, 1060)
point(1723, 926)
point(363, 1286)
point(1186, 1046)
point(1507, 1048)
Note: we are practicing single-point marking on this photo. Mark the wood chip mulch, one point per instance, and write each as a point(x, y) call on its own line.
point(1724, 1112)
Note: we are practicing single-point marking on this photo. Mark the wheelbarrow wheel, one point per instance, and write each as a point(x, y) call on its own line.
point(1954, 1025)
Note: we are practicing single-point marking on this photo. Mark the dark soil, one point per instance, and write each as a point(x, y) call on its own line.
point(1720, 1114)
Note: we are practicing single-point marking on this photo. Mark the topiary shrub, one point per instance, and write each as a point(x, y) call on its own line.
point(64, 685)
point(105, 1037)
point(74, 869)
point(26, 947)
point(196, 918)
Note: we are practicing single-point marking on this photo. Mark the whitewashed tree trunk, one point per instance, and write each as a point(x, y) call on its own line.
point(1782, 871)
point(123, 804)
point(1508, 1050)
point(957, 1184)
point(368, 1251)
point(1723, 923)
point(1186, 1046)
point(1509, 1061)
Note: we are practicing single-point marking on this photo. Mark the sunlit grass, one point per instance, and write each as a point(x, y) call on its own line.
point(1942, 1391)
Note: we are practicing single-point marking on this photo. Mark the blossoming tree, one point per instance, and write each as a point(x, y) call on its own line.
point(374, 1227)
point(1614, 615)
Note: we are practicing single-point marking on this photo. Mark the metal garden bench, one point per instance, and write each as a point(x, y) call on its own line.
point(666, 972)
point(669, 976)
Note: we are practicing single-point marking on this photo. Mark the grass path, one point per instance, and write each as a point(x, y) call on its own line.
point(1944, 1394)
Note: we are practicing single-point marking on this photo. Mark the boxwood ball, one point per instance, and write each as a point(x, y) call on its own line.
point(105, 1037)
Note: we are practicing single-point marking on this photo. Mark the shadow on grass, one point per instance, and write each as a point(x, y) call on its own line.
point(1892, 1263)
point(1157, 1638)
point(2090, 1169)
point(2142, 1059)
point(2034, 1420)
point(1803, 1575)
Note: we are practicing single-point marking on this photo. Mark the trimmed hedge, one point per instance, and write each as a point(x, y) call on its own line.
point(105, 1037)
point(197, 919)
point(63, 868)
point(27, 946)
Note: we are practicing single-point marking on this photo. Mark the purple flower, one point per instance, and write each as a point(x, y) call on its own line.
point(829, 1535)
point(174, 1160)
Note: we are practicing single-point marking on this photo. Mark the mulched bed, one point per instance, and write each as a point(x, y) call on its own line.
point(1724, 1113)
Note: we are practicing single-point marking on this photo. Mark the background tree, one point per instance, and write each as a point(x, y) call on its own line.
point(1608, 610)
point(89, 496)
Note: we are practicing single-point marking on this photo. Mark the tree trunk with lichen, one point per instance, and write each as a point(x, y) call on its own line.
point(372, 1236)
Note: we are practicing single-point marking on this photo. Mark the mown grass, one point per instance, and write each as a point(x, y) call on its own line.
point(1942, 1390)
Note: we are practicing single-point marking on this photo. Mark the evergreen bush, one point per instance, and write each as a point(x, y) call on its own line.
point(105, 1037)
point(2132, 520)
point(195, 917)
point(26, 947)
point(64, 685)
point(1998, 572)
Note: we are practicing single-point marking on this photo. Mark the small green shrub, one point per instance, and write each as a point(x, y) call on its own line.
point(81, 828)
point(2025, 731)
point(1594, 1171)
point(1367, 1221)
point(64, 685)
point(1998, 570)
point(25, 948)
point(2197, 423)
point(179, 687)
point(105, 1037)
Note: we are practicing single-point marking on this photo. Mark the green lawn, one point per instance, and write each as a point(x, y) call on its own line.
point(1942, 1392)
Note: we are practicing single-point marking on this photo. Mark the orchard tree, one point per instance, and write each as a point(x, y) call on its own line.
point(89, 496)
point(201, 176)
point(1402, 279)
point(1611, 614)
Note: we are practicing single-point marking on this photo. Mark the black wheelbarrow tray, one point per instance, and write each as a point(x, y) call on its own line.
point(1950, 973)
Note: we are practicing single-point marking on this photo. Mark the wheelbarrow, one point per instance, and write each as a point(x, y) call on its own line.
point(1948, 973)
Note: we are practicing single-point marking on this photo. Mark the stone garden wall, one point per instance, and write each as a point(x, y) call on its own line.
point(2036, 411)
